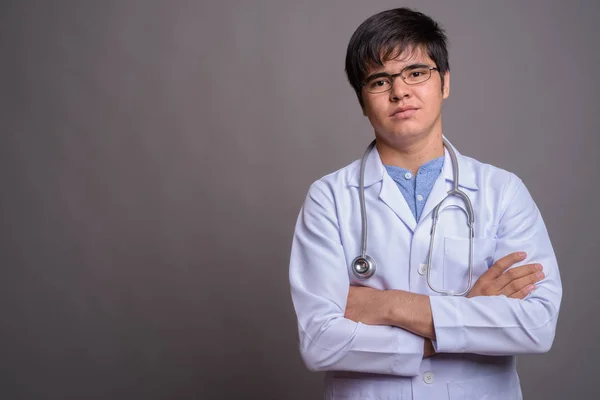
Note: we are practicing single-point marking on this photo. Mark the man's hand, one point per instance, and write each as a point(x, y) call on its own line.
point(428, 350)
point(516, 283)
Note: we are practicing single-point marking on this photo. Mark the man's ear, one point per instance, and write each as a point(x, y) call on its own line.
point(446, 88)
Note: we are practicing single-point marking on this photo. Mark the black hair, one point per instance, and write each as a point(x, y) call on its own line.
point(385, 35)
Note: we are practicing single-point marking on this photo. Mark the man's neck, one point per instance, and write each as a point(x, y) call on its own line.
point(411, 155)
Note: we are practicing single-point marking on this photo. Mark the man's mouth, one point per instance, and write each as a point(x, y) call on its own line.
point(404, 112)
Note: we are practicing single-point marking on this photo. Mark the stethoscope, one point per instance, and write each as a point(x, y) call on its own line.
point(364, 266)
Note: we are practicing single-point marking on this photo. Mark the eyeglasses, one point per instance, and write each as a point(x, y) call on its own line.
point(411, 75)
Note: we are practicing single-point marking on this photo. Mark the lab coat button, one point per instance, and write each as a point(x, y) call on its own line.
point(408, 175)
point(422, 269)
point(428, 377)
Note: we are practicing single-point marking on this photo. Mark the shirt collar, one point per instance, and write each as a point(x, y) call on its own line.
point(374, 170)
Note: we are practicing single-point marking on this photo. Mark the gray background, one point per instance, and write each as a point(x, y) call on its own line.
point(154, 156)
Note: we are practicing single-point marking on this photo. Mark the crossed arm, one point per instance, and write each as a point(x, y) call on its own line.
point(362, 329)
point(412, 311)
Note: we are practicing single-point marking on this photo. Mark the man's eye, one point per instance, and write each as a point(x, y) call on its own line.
point(416, 74)
point(381, 84)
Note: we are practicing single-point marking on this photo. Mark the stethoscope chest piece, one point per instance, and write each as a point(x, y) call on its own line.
point(363, 267)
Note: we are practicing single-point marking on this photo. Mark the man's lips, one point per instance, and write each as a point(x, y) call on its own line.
point(404, 112)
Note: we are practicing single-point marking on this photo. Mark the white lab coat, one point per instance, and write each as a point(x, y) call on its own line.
point(477, 338)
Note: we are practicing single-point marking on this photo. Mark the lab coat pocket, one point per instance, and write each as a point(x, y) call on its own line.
point(368, 388)
point(456, 261)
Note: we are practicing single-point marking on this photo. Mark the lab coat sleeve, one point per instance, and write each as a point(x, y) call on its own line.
point(319, 287)
point(497, 325)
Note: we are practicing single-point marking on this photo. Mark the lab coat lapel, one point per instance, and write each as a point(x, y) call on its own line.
point(438, 192)
point(393, 198)
point(389, 193)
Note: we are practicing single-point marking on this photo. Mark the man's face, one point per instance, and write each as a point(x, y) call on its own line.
point(393, 126)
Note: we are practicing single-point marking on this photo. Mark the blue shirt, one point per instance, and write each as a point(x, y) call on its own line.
point(416, 189)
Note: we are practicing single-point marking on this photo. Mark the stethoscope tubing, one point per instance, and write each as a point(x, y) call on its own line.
point(365, 266)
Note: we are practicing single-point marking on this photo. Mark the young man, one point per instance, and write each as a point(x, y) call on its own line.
point(402, 332)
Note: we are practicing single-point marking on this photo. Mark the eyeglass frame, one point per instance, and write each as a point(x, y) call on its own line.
point(393, 76)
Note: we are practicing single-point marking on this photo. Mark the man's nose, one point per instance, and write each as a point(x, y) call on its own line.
point(399, 89)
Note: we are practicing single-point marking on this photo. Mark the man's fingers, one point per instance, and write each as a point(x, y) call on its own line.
point(506, 262)
point(513, 275)
point(521, 294)
point(517, 285)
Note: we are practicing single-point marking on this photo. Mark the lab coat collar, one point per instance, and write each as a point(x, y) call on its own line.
point(375, 171)
point(445, 181)
point(466, 177)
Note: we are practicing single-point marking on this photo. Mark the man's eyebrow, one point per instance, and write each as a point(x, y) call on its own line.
point(377, 75)
point(413, 66)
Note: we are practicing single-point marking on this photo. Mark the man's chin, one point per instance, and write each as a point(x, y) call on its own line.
point(404, 137)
